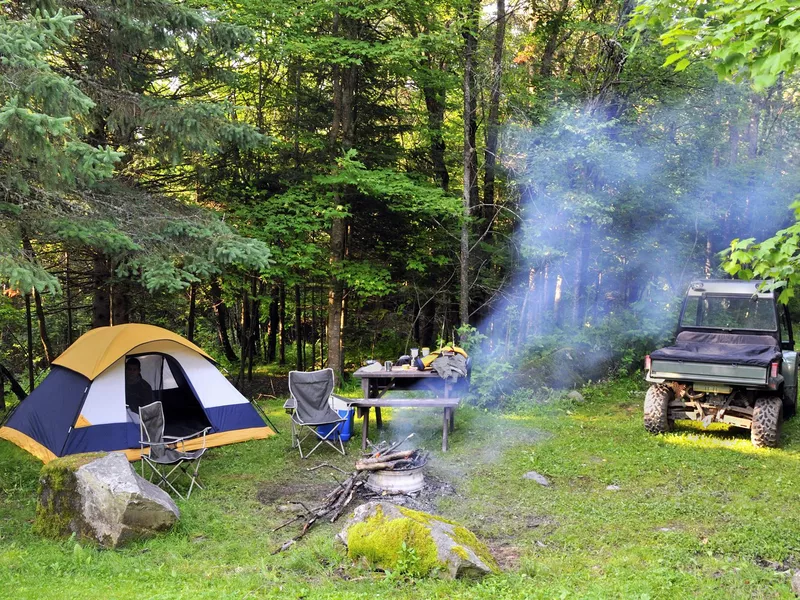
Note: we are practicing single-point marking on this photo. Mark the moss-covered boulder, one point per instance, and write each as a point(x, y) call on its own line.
point(99, 497)
point(395, 538)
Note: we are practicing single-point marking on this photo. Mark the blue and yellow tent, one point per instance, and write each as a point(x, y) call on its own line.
point(80, 405)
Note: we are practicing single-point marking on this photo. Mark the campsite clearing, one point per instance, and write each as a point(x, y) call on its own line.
point(682, 522)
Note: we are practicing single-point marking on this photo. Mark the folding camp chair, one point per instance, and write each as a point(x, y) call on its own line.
point(310, 407)
point(167, 457)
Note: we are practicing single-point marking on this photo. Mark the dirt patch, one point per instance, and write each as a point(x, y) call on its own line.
point(283, 492)
point(506, 555)
point(786, 566)
point(264, 387)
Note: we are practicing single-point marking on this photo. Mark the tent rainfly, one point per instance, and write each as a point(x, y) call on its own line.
point(80, 406)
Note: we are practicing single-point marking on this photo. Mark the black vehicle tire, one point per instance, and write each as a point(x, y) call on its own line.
point(656, 409)
point(767, 420)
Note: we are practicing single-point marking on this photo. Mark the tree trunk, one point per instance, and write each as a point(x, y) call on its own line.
point(733, 131)
point(101, 301)
point(345, 80)
point(298, 326)
point(221, 312)
point(282, 325)
point(120, 302)
point(553, 28)
point(244, 340)
point(582, 273)
point(272, 335)
point(37, 298)
point(313, 327)
point(492, 127)
point(29, 329)
point(68, 295)
point(470, 192)
point(435, 101)
point(192, 308)
point(752, 128)
point(335, 302)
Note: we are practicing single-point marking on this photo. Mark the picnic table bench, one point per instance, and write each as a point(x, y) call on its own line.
point(375, 384)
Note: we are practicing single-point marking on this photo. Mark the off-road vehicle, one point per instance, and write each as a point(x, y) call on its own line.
point(733, 362)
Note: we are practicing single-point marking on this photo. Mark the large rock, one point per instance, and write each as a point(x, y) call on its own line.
point(377, 531)
point(100, 497)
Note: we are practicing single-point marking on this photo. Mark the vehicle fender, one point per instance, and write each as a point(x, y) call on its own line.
point(789, 372)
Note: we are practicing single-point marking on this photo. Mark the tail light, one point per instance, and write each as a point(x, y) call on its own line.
point(647, 363)
point(773, 369)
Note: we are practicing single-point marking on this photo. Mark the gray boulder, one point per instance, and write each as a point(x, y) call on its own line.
point(537, 477)
point(796, 583)
point(101, 498)
point(377, 531)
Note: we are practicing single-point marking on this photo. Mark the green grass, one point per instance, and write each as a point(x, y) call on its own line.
point(698, 514)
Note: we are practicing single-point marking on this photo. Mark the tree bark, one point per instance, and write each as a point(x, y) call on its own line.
point(435, 101)
point(272, 335)
point(470, 192)
point(29, 330)
point(244, 339)
point(752, 128)
point(221, 312)
point(313, 328)
point(298, 326)
point(582, 273)
point(492, 126)
point(553, 28)
point(733, 132)
point(120, 302)
point(37, 298)
point(282, 326)
point(68, 295)
point(192, 308)
point(101, 301)
point(345, 80)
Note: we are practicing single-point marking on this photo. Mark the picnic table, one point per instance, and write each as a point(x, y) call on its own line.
point(375, 384)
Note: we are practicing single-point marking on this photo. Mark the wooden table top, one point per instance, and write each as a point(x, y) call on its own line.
point(396, 372)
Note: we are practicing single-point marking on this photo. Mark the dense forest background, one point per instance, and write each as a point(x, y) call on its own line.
point(325, 181)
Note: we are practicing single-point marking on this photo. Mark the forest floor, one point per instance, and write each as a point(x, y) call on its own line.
point(693, 513)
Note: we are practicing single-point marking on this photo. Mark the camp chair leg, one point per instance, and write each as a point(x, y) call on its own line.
point(327, 439)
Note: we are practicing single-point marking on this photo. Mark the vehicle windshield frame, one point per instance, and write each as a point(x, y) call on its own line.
point(681, 327)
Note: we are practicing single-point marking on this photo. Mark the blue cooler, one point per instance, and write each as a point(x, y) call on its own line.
point(345, 429)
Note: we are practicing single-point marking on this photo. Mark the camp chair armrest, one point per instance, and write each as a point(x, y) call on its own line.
point(173, 440)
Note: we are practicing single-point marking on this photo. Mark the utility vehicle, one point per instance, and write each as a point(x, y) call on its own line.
point(733, 362)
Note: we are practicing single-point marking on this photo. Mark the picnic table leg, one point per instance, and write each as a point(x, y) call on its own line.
point(445, 427)
point(452, 419)
point(378, 418)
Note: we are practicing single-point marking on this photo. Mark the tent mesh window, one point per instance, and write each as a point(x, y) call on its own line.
point(183, 413)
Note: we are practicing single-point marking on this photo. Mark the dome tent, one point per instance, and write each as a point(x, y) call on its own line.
point(80, 406)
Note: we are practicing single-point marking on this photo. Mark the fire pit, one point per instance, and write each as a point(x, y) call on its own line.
point(392, 471)
point(400, 481)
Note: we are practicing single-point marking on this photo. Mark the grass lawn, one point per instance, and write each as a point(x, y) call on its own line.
point(697, 514)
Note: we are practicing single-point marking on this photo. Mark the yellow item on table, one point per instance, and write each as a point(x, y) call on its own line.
point(428, 360)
